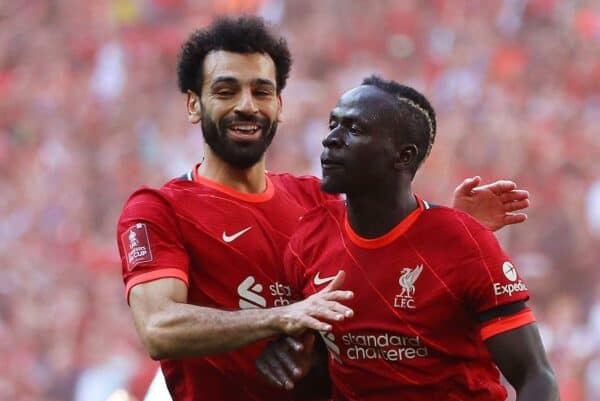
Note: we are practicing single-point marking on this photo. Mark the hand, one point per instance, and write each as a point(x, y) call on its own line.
point(308, 314)
point(287, 360)
point(492, 204)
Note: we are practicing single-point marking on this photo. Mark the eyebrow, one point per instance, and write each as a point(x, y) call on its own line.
point(234, 81)
point(223, 79)
point(347, 117)
point(262, 81)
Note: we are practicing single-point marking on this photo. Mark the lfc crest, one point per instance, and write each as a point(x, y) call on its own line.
point(407, 280)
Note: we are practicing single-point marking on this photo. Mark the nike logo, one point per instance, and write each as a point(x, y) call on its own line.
point(320, 281)
point(233, 237)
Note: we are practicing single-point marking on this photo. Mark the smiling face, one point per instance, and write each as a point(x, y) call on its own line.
point(360, 151)
point(238, 107)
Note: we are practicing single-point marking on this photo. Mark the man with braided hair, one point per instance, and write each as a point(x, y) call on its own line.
point(202, 255)
point(438, 306)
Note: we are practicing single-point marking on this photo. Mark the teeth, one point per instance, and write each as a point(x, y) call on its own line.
point(246, 127)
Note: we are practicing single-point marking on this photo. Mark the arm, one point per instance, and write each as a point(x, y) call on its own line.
point(492, 204)
point(171, 328)
point(521, 358)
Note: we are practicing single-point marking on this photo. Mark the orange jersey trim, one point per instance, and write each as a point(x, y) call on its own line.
point(372, 243)
point(154, 275)
point(248, 197)
point(507, 323)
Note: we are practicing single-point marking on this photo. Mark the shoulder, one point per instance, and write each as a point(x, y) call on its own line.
point(144, 200)
point(320, 222)
point(462, 233)
point(449, 221)
point(306, 189)
point(330, 209)
point(290, 181)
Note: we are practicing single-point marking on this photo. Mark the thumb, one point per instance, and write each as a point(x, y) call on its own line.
point(337, 282)
point(465, 187)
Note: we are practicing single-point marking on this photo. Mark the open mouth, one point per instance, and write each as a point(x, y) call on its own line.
point(244, 131)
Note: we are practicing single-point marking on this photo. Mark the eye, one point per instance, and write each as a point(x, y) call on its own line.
point(224, 93)
point(262, 93)
point(332, 125)
point(354, 128)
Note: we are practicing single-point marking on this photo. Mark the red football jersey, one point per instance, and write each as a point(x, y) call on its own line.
point(418, 290)
point(228, 248)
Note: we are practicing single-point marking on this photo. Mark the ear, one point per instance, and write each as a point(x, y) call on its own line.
point(193, 107)
point(280, 112)
point(406, 157)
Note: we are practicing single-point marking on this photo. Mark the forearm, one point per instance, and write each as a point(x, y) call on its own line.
point(184, 330)
point(540, 387)
point(172, 328)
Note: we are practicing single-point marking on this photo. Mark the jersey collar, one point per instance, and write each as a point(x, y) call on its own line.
point(261, 197)
point(390, 236)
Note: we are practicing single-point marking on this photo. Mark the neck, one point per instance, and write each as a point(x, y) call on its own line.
point(251, 180)
point(373, 214)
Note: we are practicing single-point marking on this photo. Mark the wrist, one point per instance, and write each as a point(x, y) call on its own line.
point(274, 320)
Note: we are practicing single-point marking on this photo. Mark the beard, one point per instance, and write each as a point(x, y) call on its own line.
point(237, 153)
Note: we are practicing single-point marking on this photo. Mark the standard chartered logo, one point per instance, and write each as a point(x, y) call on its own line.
point(251, 294)
point(329, 339)
point(386, 346)
point(249, 291)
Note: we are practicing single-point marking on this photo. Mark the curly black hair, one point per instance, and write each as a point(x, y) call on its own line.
point(415, 114)
point(245, 34)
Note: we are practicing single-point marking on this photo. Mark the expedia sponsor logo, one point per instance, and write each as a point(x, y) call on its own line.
point(501, 289)
point(386, 346)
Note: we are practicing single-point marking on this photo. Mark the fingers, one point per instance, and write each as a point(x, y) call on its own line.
point(465, 187)
point(337, 295)
point(269, 374)
point(308, 341)
point(500, 187)
point(281, 365)
point(336, 283)
point(318, 309)
point(329, 312)
point(292, 370)
point(516, 205)
point(295, 344)
point(310, 322)
point(516, 195)
point(341, 309)
point(514, 218)
point(327, 306)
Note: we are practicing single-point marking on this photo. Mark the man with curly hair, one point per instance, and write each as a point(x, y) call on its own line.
point(203, 277)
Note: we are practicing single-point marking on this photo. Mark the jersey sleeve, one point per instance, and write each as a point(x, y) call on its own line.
point(149, 241)
point(491, 282)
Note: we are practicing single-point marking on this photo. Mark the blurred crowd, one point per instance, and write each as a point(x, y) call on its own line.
point(89, 110)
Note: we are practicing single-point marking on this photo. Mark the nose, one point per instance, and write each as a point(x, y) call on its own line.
point(246, 104)
point(334, 139)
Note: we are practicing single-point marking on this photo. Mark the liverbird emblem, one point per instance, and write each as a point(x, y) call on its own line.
point(407, 280)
